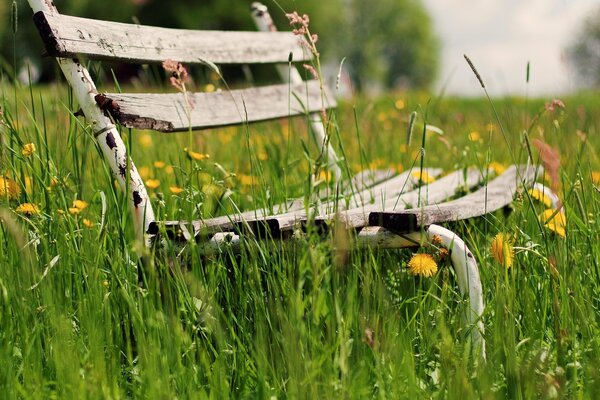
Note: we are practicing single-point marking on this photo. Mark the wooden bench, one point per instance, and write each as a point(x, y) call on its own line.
point(383, 211)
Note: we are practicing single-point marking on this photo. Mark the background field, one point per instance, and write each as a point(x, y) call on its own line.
point(82, 316)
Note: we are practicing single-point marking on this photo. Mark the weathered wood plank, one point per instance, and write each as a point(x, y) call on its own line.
point(495, 195)
point(264, 220)
point(390, 200)
point(66, 36)
point(170, 112)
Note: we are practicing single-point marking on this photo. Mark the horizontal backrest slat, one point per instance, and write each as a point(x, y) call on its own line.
point(169, 112)
point(67, 36)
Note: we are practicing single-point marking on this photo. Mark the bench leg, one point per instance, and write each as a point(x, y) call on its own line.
point(106, 134)
point(463, 262)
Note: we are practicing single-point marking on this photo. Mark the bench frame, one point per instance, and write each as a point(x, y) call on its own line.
point(374, 228)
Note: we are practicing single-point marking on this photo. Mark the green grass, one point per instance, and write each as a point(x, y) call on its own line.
point(83, 316)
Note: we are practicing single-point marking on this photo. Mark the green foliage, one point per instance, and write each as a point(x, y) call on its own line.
point(584, 52)
point(390, 43)
point(100, 321)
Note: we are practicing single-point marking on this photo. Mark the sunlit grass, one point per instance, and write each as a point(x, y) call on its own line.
point(82, 315)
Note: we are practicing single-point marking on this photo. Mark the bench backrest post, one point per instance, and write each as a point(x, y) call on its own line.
point(106, 134)
point(290, 74)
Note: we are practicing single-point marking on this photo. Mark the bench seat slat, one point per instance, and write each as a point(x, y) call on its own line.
point(169, 112)
point(498, 193)
point(66, 36)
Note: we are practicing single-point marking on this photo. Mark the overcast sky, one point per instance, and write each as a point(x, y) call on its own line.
point(500, 37)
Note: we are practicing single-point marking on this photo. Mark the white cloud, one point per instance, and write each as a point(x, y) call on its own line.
point(501, 36)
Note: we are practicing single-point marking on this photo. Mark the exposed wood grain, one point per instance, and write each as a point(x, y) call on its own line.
point(168, 112)
point(66, 36)
point(495, 195)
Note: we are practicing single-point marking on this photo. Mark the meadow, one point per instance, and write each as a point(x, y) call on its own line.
point(86, 312)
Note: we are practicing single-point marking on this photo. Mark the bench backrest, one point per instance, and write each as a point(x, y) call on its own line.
point(68, 37)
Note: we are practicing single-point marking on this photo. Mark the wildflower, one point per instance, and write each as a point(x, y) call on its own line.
point(475, 136)
point(209, 87)
point(159, 164)
point(169, 169)
point(28, 209)
point(403, 148)
point(175, 189)
point(195, 156)
point(556, 103)
point(596, 177)
point(376, 163)
point(246, 180)
point(422, 264)
point(540, 196)
point(78, 207)
point(179, 74)
point(144, 172)
point(145, 140)
point(28, 149)
point(152, 183)
point(502, 250)
point(325, 176)
point(422, 176)
point(311, 70)
point(87, 223)
point(497, 167)
point(9, 188)
point(262, 155)
point(399, 104)
point(555, 221)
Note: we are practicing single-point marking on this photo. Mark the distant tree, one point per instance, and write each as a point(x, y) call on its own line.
point(390, 42)
point(583, 54)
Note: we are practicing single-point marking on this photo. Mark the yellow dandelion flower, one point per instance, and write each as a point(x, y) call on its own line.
point(54, 182)
point(540, 196)
point(502, 250)
point(81, 204)
point(262, 155)
point(596, 177)
point(169, 169)
point(152, 183)
point(423, 176)
point(144, 172)
point(475, 136)
point(423, 265)
point(175, 189)
point(209, 88)
point(78, 207)
point(399, 104)
point(195, 156)
point(325, 176)
point(87, 223)
point(28, 209)
point(9, 188)
point(145, 140)
point(403, 148)
point(376, 163)
point(247, 180)
point(382, 116)
point(159, 164)
point(555, 221)
point(28, 149)
point(497, 167)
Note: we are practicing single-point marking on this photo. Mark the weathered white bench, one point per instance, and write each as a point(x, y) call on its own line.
point(383, 211)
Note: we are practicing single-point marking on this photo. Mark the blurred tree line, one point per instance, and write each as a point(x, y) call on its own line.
point(583, 53)
point(385, 43)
